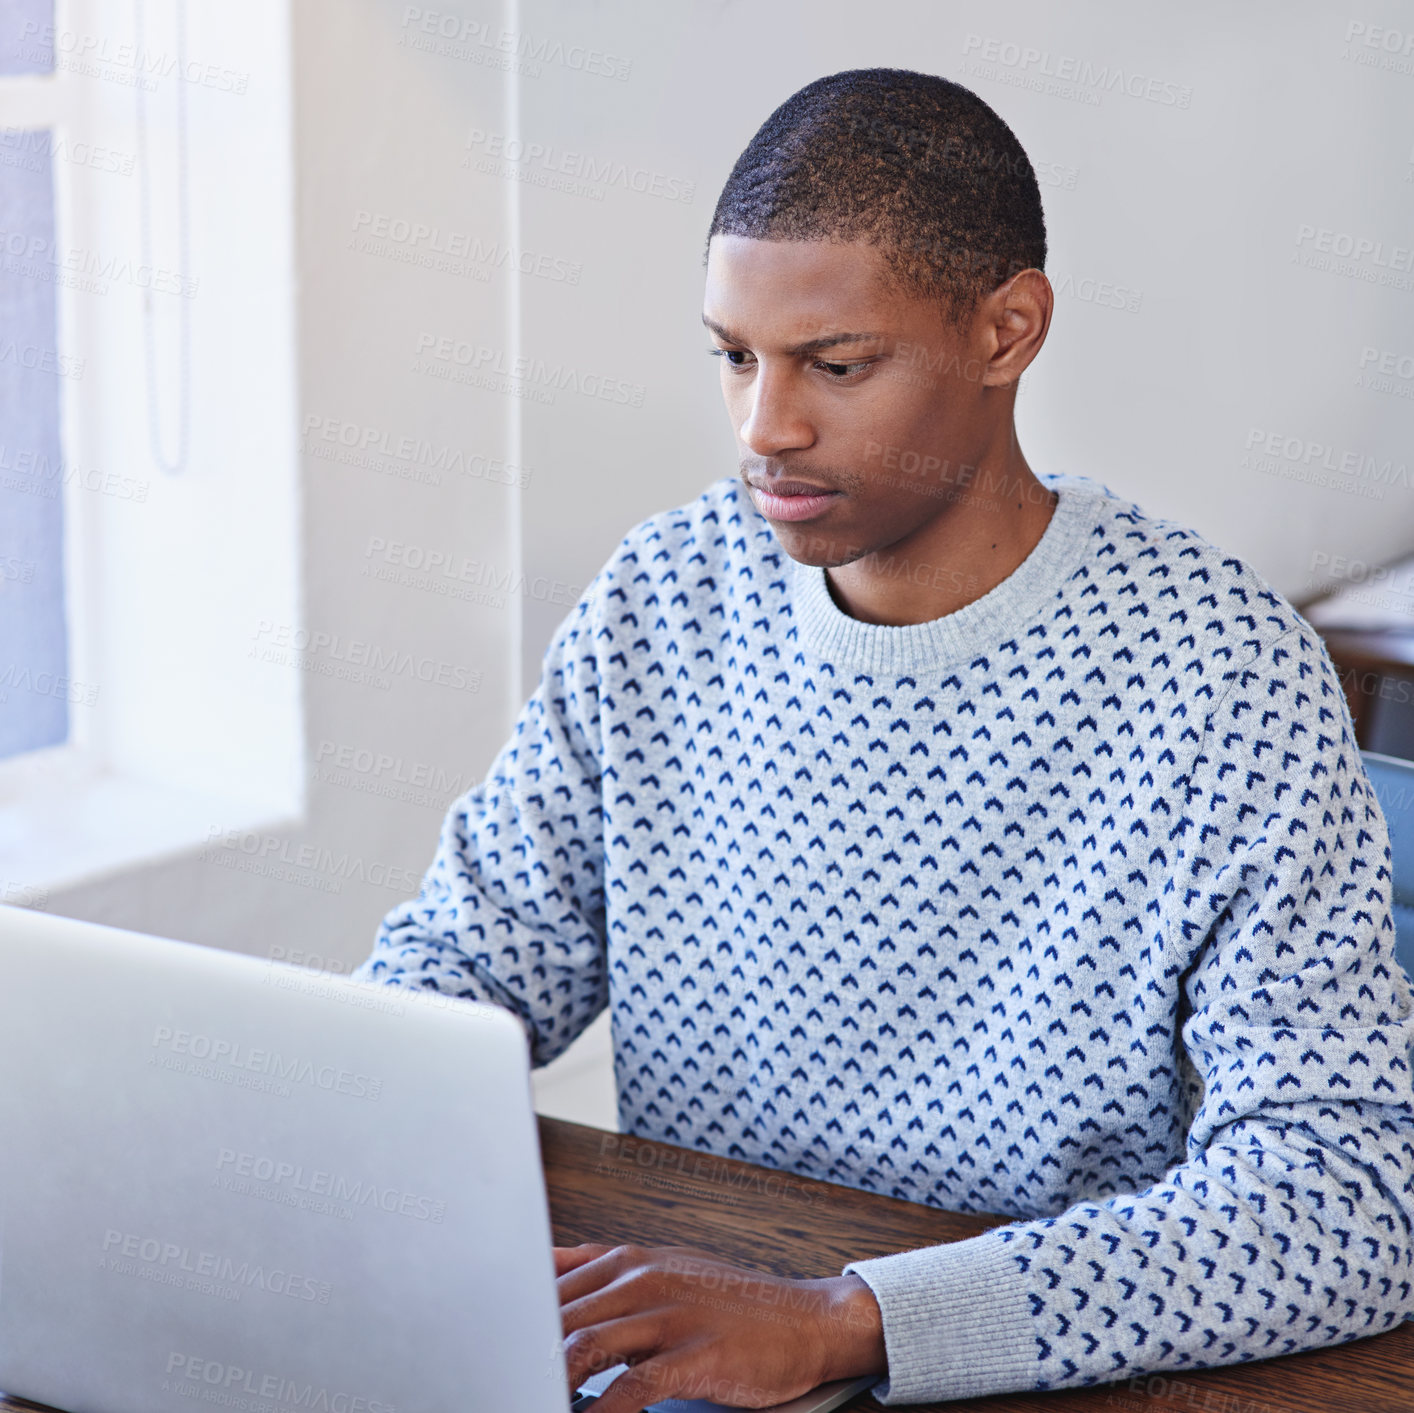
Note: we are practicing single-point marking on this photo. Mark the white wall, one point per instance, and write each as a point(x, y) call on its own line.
point(1195, 212)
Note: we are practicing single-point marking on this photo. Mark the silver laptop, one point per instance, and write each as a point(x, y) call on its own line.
point(235, 1184)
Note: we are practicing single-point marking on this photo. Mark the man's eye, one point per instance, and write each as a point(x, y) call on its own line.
point(731, 355)
point(843, 370)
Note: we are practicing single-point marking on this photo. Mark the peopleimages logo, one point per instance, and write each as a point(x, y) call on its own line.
point(41, 360)
point(21, 895)
point(128, 1254)
point(413, 458)
point(1379, 47)
point(1066, 75)
point(1354, 256)
point(452, 252)
point(45, 684)
point(35, 474)
point(215, 1382)
point(32, 149)
point(100, 56)
point(214, 1054)
point(353, 660)
point(1382, 371)
point(421, 775)
point(445, 571)
point(314, 858)
point(1322, 464)
point(437, 355)
point(296, 1180)
point(581, 173)
point(453, 36)
point(43, 258)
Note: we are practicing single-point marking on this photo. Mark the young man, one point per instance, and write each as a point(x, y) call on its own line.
point(947, 831)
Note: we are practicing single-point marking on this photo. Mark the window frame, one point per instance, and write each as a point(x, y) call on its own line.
point(140, 779)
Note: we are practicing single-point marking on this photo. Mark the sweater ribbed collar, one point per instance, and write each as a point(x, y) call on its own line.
point(977, 628)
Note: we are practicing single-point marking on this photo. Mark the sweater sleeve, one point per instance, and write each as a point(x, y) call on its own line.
point(511, 910)
point(1289, 1223)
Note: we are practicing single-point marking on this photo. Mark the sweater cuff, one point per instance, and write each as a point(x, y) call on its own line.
point(957, 1323)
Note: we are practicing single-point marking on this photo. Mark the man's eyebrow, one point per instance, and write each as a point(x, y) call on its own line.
point(809, 346)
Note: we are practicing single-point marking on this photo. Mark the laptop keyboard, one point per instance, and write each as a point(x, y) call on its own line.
point(838, 1395)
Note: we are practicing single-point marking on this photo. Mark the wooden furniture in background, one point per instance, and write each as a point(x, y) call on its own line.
point(1365, 614)
point(1376, 669)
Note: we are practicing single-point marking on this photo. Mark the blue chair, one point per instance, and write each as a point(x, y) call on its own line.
point(1394, 788)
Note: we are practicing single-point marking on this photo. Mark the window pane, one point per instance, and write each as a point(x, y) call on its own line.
point(34, 651)
point(26, 36)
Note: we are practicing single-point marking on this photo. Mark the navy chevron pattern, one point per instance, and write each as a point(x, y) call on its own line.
point(1072, 906)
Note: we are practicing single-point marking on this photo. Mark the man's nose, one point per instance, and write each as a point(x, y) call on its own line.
point(775, 419)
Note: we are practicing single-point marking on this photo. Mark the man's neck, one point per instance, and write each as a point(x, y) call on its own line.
point(981, 539)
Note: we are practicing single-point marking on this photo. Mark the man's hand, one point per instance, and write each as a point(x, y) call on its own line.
point(694, 1326)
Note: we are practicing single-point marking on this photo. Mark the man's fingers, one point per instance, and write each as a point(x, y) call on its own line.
point(570, 1258)
point(599, 1269)
point(600, 1346)
point(607, 1300)
point(636, 1388)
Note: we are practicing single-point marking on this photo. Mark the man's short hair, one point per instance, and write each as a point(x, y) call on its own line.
point(914, 164)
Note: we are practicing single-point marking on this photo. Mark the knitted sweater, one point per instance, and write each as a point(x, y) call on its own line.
point(1072, 905)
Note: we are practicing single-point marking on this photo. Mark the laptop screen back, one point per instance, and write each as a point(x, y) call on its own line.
point(234, 1184)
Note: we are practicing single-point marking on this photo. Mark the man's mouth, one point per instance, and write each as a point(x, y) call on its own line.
point(792, 500)
point(787, 487)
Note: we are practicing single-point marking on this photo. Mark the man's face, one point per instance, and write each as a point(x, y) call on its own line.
point(859, 411)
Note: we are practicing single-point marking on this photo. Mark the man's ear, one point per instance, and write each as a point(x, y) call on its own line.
point(1013, 321)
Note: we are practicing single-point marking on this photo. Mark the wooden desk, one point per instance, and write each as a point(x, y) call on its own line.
point(612, 1188)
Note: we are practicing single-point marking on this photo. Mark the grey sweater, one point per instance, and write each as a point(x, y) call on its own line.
point(1072, 905)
